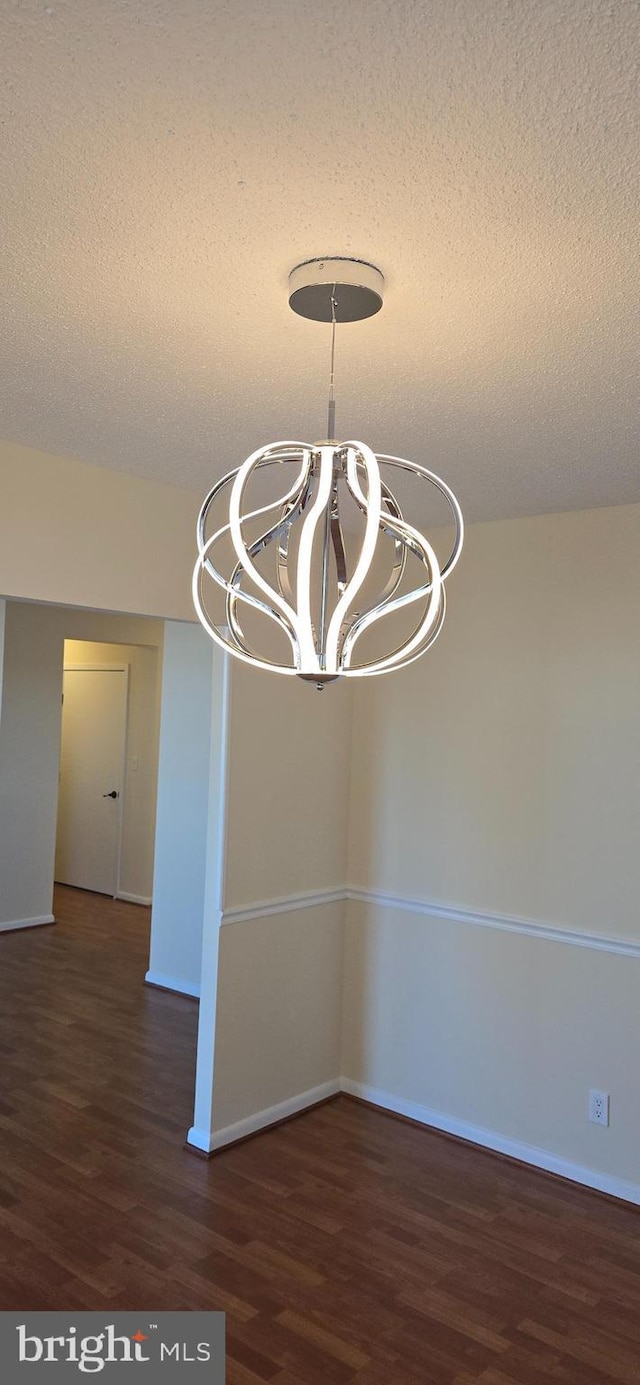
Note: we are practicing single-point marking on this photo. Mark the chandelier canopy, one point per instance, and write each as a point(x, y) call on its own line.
point(320, 575)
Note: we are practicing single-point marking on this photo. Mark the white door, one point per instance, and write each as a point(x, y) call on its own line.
point(92, 759)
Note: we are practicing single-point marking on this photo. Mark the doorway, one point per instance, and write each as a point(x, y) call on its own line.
point(92, 773)
point(117, 743)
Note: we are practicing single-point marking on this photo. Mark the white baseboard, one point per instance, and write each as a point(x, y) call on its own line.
point(172, 983)
point(262, 1119)
point(200, 1139)
point(134, 898)
point(14, 925)
point(491, 1139)
point(207, 1142)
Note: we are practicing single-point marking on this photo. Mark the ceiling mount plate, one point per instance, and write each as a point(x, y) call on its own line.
point(356, 286)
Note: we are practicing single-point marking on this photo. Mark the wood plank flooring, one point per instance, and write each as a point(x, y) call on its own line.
point(344, 1247)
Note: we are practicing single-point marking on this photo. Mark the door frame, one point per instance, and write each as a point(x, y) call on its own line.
point(111, 668)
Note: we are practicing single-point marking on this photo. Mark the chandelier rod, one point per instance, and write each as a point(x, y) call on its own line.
point(331, 511)
point(331, 413)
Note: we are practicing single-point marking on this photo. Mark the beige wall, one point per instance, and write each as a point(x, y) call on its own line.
point(29, 761)
point(141, 770)
point(502, 771)
point(279, 980)
point(498, 1032)
point(81, 535)
point(279, 1009)
point(287, 808)
point(501, 776)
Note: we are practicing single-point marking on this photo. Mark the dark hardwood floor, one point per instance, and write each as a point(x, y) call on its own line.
point(345, 1246)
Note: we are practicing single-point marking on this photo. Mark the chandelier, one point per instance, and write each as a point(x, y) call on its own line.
point(319, 575)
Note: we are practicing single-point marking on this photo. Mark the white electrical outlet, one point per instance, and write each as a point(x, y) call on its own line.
point(599, 1107)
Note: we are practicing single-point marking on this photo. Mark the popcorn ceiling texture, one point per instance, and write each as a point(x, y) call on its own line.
point(165, 163)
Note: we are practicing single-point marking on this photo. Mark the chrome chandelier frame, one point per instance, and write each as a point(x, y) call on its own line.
point(324, 649)
point(315, 583)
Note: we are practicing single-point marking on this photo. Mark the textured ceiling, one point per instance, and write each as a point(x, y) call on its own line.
point(164, 163)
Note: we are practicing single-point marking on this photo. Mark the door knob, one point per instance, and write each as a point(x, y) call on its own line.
point(113, 794)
